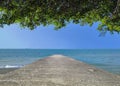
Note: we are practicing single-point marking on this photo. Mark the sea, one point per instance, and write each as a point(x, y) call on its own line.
point(106, 59)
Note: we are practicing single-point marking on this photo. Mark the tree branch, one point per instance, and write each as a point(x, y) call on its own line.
point(117, 9)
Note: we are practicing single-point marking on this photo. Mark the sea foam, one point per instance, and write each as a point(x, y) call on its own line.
point(11, 66)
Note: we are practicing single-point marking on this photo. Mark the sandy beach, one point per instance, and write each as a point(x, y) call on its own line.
point(58, 70)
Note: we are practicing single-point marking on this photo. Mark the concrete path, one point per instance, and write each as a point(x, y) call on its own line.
point(59, 70)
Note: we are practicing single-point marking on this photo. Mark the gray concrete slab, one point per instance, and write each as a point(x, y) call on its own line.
point(58, 70)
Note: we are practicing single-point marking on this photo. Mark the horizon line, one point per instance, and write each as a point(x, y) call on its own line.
point(62, 48)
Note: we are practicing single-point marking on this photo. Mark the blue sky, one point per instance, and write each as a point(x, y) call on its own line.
point(73, 36)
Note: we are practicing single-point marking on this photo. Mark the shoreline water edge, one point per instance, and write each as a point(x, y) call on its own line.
point(100, 58)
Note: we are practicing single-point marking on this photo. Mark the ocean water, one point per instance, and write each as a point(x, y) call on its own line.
point(108, 60)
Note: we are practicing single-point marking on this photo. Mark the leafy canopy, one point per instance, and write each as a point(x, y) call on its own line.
point(32, 13)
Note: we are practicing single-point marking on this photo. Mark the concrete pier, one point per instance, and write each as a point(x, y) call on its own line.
point(58, 70)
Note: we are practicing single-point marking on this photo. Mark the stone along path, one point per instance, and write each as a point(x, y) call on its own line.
point(58, 70)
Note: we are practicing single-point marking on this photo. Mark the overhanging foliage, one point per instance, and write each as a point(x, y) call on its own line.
point(32, 13)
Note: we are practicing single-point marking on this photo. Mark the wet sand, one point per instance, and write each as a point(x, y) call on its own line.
point(58, 70)
point(6, 70)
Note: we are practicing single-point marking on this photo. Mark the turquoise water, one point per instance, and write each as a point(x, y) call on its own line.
point(106, 59)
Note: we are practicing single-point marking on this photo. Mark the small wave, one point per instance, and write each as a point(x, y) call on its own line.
point(12, 66)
